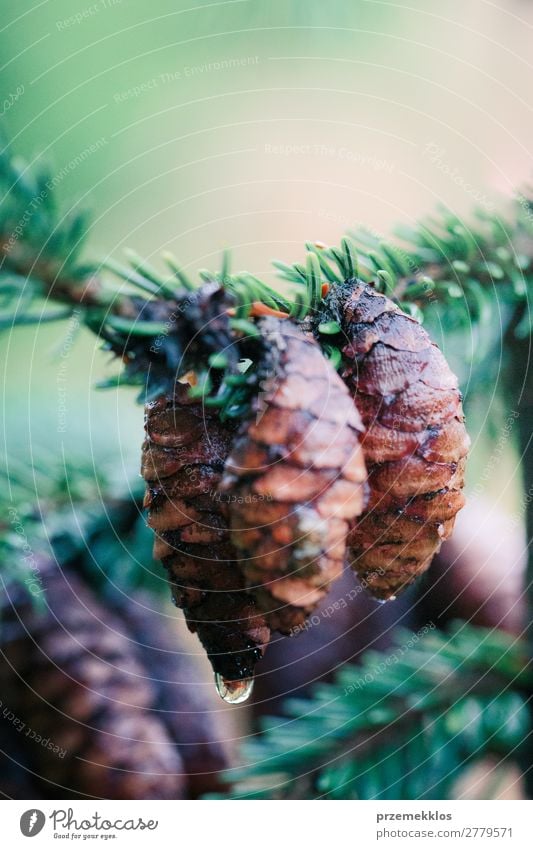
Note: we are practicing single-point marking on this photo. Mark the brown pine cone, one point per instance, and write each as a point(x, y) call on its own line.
point(294, 477)
point(182, 462)
point(182, 703)
point(415, 444)
point(81, 702)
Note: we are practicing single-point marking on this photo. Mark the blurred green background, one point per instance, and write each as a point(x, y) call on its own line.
point(250, 125)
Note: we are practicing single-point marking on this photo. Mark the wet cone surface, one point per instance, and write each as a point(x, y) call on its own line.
point(295, 475)
point(182, 462)
point(415, 443)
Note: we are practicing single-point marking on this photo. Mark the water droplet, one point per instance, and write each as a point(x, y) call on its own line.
point(385, 600)
point(233, 692)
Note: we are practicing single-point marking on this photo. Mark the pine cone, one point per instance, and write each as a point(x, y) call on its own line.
point(294, 477)
point(182, 703)
point(83, 699)
point(183, 459)
point(415, 443)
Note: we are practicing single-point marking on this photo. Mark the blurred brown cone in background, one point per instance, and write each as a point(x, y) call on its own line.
point(84, 703)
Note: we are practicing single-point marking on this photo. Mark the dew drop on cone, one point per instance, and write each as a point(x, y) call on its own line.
point(385, 600)
point(234, 692)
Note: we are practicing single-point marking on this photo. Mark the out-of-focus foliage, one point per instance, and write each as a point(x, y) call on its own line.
point(400, 726)
point(65, 513)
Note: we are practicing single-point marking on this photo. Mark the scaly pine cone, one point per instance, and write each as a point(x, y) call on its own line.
point(183, 459)
point(415, 444)
point(181, 701)
point(83, 699)
point(295, 477)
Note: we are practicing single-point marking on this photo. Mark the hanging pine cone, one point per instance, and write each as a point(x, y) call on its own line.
point(294, 476)
point(415, 443)
point(252, 520)
point(183, 459)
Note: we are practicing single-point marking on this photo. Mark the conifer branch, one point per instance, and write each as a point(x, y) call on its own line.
point(445, 701)
point(400, 726)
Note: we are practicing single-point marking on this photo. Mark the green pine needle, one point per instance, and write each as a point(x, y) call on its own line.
point(174, 266)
